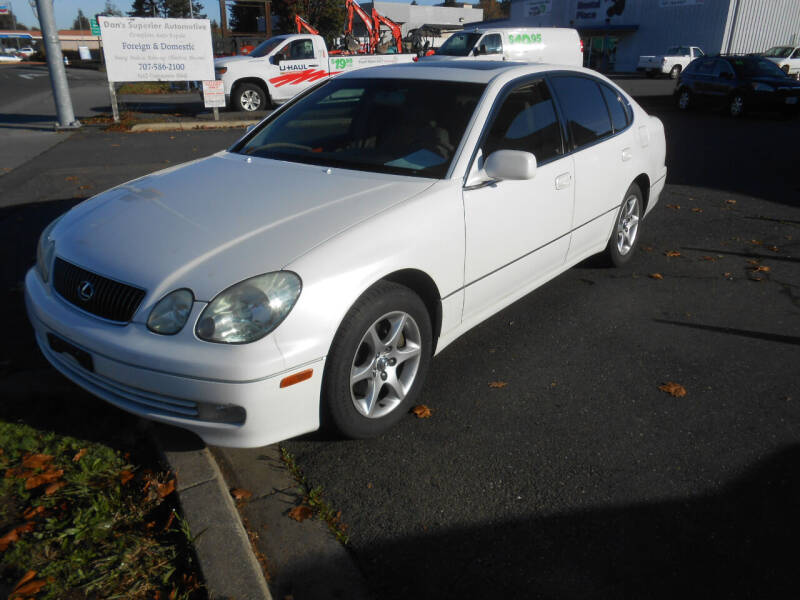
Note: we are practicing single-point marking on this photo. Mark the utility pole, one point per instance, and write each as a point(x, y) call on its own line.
point(55, 64)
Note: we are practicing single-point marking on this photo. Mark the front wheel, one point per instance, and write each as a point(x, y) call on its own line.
point(675, 72)
point(378, 361)
point(684, 99)
point(622, 244)
point(249, 97)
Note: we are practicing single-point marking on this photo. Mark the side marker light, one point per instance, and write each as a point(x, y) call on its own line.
point(296, 378)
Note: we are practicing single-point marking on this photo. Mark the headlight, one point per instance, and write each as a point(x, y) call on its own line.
point(762, 87)
point(169, 315)
point(249, 310)
point(45, 251)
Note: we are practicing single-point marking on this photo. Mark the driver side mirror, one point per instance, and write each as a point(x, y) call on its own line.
point(478, 50)
point(510, 164)
point(276, 60)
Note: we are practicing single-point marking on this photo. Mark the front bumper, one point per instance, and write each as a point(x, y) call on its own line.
point(157, 386)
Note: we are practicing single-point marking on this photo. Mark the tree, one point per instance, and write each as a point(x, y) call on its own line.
point(325, 15)
point(111, 10)
point(492, 9)
point(145, 8)
point(173, 9)
point(80, 22)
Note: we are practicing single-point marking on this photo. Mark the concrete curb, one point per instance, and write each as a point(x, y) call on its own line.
point(226, 559)
point(189, 125)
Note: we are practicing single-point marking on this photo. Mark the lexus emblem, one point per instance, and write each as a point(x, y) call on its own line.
point(85, 290)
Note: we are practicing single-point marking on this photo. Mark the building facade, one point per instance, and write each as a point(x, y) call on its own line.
point(616, 32)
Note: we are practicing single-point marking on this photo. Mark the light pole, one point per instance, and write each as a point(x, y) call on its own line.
point(55, 63)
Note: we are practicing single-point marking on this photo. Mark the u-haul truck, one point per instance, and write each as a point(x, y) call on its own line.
point(283, 66)
point(553, 45)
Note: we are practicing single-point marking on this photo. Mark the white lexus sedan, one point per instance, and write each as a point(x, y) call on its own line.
point(307, 275)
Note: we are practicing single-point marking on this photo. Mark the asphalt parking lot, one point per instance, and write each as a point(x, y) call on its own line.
point(553, 466)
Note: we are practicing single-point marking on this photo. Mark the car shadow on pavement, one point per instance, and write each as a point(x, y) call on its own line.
point(735, 543)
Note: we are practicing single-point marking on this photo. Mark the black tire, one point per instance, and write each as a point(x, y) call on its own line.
point(249, 97)
point(736, 105)
point(675, 72)
point(625, 235)
point(684, 99)
point(346, 405)
point(785, 69)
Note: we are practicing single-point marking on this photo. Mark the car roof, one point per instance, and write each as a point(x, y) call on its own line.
point(467, 71)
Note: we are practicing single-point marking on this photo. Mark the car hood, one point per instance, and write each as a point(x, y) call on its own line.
point(214, 222)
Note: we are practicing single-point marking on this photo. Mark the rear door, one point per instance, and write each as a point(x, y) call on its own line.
point(603, 148)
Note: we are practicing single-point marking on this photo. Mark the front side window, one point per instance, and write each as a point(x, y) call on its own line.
point(297, 50)
point(401, 126)
point(526, 121)
point(493, 43)
point(722, 66)
point(796, 53)
point(584, 109)
point(459, 44)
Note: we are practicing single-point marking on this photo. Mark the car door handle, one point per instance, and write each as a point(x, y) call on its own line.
point(626, 154)
point(563, 181)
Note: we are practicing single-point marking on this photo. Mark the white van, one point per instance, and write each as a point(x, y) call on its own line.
point(522, 44)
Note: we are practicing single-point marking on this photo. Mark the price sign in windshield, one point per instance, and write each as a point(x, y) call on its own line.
point(139, 49)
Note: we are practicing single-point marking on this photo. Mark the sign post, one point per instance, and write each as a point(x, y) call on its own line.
point(138, 49)
point(214, 95)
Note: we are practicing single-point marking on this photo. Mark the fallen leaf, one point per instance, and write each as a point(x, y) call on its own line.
point(697, 210)
point(674, 389)
point(498, 384)
point(773, 249)
point(752, 261)
point(730, 201)
point(29, 514)
point(656, 276)
point(762, 268)
point(81, 453)
point(46, 477)
point(727, 275)
point(36, 461)
point(672, 253)
point(422, 411)
point(674, 206)
point(71, 178)
point(165, 489)
point(240, 494)
point(709, 258)
point(125, 477)
point(646, 248)
point(300, 513)
point(29, 589)
point(25, 579)
point(171, 518)
point(756, 242)
point(369, 486)
point(54, 487)
point(13, 535)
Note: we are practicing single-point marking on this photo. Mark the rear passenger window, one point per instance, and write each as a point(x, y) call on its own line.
point(705, 66)
point(526, 121)
point(584, 109)
point(616, 108)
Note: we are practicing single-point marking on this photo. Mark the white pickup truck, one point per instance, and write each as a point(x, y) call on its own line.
point(283, 66)
point(671, 63)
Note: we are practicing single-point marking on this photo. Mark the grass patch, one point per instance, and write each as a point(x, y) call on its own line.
point(312, 497)
point(145, 87)
point(79, 519)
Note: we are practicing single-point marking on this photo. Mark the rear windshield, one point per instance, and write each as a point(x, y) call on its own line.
point(678, 51)
point(779, 52)
point(401, 126)
point(756, 67)
point(459, 44)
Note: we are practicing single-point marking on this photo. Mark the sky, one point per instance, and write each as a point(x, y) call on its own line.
point(67, 10)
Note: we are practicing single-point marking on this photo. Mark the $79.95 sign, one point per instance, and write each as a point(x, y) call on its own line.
point(138, 49)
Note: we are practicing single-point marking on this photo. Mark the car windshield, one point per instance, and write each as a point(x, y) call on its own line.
point(267, 46)
point(779, 52)
point(756, 67)
point(459, 44)
point(401, 126)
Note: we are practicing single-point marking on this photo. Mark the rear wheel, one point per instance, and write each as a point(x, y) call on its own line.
point(622, 244)
point(249, 97)
point(378, 361)
point(675, 72)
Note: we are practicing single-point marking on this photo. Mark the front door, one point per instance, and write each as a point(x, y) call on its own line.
point(517, 232)
point(298, 69)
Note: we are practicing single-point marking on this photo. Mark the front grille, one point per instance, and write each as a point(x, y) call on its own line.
point(95, 294)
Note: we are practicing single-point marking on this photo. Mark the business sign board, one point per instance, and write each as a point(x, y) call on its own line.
point(537, 8)
point(137, 49)
point(213, 93)
point(94, 26)
point(5, 9)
